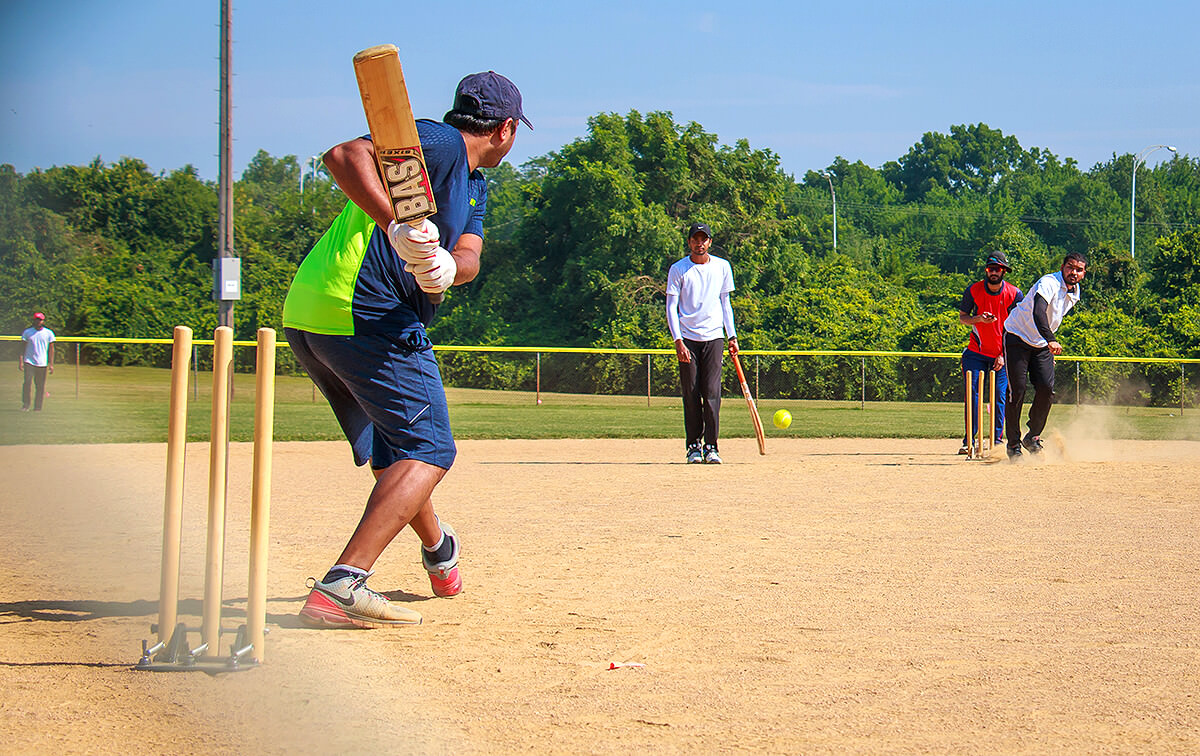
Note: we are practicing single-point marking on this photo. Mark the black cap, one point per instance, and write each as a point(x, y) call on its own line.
point(998, 258)
point(699, 228)
point(489, 95)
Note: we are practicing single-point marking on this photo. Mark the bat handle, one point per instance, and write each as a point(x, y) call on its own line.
point(434, 299)
point(737, 365)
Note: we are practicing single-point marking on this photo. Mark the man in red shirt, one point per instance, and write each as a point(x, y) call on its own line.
point(984, 307)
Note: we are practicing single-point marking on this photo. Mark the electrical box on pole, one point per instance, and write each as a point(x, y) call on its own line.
point(227, 279)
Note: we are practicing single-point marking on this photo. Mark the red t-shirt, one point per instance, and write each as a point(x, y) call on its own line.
point(988, 338)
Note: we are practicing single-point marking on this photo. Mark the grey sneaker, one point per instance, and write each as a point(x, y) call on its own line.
point(710, 456)
point(1033, 444)
point(695, 456)
point(443, 576)
point(1014, 452)
point(348, 602)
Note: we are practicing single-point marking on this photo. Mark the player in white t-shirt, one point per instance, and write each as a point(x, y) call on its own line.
point(1030, 346)
point(36, 360)
point(700, 318)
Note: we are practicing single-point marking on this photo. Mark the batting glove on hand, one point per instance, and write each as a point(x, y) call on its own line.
point(436, 273)
point(414, 245)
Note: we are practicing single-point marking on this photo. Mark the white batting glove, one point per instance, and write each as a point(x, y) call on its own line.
point(414, 244)
point(434, 274)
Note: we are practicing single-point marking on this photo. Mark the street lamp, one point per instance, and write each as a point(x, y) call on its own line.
point(1139, 160)
point(833, 194)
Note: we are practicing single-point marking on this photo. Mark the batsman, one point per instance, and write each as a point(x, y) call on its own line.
point(355, 316)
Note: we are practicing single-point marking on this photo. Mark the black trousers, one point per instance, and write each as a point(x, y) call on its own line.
point(700, 384)
point(37, 377)
point(1027, 363)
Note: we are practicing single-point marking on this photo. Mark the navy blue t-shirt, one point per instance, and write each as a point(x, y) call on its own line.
point(461, 198)
point(353, 282)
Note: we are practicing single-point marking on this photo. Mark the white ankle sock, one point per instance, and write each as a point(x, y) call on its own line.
point(437, 545)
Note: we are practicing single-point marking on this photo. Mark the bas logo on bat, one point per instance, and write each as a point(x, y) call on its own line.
point(407, 184)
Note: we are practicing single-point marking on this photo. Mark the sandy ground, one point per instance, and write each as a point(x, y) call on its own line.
point(835, 596)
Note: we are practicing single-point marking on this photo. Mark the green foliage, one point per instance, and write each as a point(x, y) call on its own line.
point(117, 251)
point(609, 216)
point(971, 159)
point(1111, 332)
point(1183, 329)
point(1175, 270)
point(578, 243)
point(941, 382)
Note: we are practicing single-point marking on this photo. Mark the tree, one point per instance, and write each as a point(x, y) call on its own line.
point(578, 243)
point(971, 159)
point(607, 216)
point(1175, 270)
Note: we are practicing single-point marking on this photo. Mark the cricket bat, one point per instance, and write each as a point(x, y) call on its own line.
point(394, 134)
point(758, 426)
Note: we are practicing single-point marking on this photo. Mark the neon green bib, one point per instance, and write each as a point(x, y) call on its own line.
point(321, 296)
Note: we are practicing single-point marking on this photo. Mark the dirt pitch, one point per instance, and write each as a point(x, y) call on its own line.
point(835, 596)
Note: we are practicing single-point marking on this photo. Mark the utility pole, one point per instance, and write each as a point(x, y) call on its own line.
point(227, 269)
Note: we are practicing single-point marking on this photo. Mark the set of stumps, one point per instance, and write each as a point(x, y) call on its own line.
point(172, 651)
point(979, 443)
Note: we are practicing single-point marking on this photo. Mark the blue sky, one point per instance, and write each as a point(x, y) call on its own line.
point(808, 80)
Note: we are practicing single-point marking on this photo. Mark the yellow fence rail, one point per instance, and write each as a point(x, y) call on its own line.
point(835, 374)
point(648, 351)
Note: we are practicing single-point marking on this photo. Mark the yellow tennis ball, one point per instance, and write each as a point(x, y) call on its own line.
point(782, 419)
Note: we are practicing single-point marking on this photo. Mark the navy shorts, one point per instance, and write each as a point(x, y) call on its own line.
point(386, 392)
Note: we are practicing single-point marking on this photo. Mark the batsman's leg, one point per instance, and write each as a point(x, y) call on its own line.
point(400, 497)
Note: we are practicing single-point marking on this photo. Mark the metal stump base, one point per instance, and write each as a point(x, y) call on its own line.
point(175, 655)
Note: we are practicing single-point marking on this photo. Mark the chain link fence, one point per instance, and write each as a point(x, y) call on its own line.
point(836, 376)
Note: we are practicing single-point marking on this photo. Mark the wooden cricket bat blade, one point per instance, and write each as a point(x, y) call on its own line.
point(394, 135)
point(758, 426)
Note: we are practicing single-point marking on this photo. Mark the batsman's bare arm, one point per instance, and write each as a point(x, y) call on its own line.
point(352, 165)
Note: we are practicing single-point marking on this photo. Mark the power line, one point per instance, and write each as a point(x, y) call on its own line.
point(947, 213)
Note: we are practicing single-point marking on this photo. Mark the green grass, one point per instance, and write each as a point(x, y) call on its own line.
point(129, 405)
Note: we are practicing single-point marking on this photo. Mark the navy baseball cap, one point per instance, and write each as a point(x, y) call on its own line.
point(699, 228)
point(998, 258)
point(489, 95)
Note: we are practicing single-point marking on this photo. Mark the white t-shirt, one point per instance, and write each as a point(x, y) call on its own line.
point(37, 345)
point(1053, 289)
point(698, 299)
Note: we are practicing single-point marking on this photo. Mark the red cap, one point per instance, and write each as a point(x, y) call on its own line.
point(38, 316)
